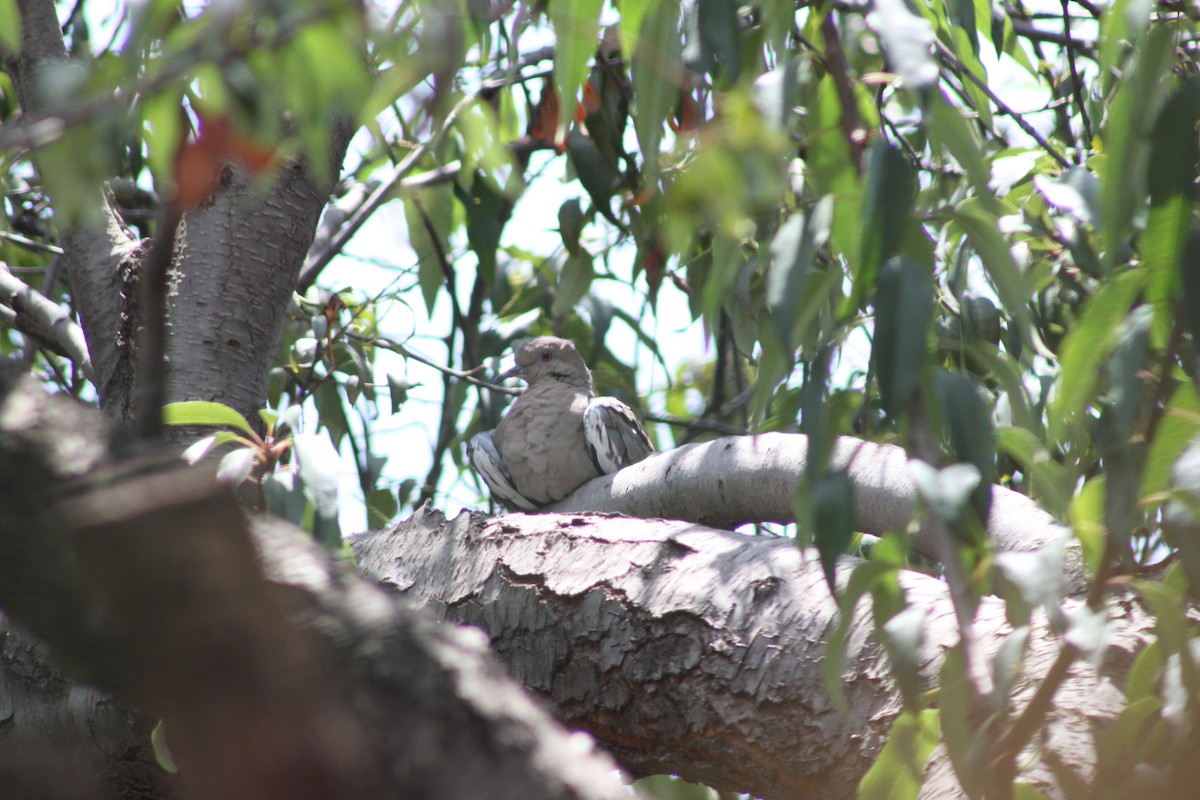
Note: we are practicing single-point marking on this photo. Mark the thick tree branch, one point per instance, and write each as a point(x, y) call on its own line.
point(690, 650)
point(742, 479)
point(148, 580)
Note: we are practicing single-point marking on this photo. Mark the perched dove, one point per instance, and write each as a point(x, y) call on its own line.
point(558, 435)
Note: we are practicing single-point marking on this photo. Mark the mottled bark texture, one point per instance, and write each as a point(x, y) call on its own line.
point(696, 651)
point(277, 672)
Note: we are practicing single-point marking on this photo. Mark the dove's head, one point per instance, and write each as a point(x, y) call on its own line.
point(550, 358)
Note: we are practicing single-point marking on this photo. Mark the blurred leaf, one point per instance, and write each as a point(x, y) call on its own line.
point(573, 282)
point(899, 770)
point(717, 41)
point(1088, 632)
point(205, 412)
point(1087, 344)
point(776, 93)
point(1031, 580)
point(570, 224)
point(863, 576)
point(1189, 266)
point(887, 210)
point(286, 498)
point(1087, 521)
point(598, 177)
point(1181, 516)
point(903, 635)
point(1012, 285)
point(158, 736)
point(1142, 681)
point(795, 288)
point(236, 465)
point(1180, 424)
point(1127, 136)
point(832, 500)
point(1008, 665)
point(903, 313)
point(1076, 192)
point(430, 216)
point(657, 77)
point(907, 39)
point(968, 428)
point(1170, 614)
point(577, 33)
point(317, 465)
point(1051, 484)
point(485, 222)
point(954, 712)
point(948, 129)
point(398, 387)
point(1174, 157)
point(946, 490)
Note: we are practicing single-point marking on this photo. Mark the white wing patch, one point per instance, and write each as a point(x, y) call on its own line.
point(614, 437)
point(486, 460)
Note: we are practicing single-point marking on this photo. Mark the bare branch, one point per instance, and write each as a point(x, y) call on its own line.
point(38, 316)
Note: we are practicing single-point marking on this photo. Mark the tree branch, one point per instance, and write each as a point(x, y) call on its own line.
point(38, 316)
point(741, 479)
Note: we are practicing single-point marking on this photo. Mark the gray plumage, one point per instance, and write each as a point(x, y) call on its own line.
point(558, 435)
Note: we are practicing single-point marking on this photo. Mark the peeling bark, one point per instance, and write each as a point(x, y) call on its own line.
point(696, 651)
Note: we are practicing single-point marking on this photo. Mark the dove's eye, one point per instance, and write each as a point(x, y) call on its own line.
point(547, 355)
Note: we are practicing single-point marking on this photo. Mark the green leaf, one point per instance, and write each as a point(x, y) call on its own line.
point(573, 282)
point(286, 499)
point(1144, 674)
point(485, 222)
point(158, 736)
point(1008, 665)
point(902, 635)
point(948, 129)
point(430, 216)
point(1087, 344)
point(570, 224)
point(832, 501)
point(577, 30)
point(954, 710)
point(795, 288)
point(968, 427)
point(1087, 521)
point(714, 41)
point(903, 312)
point(1180, 424)
point(633, 12)
point(598, 177)
point(657, 76)
point(1050, 482)
point(887, 211)
point(899, 771)
point(10, 27)
point(208, 413)
point(1174, 157)
point(1012, 285)
point(1189, 267)
point(398, 387)
point(1127, 136)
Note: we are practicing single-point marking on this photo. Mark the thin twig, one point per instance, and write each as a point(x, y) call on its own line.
point(317, 261)
point(1077, 86)
point(468, 376)
point(957, 66)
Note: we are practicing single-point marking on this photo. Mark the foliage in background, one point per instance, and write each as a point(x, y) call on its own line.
point(1025, 264)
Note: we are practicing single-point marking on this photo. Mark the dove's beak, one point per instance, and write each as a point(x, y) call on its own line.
point(516, 372)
